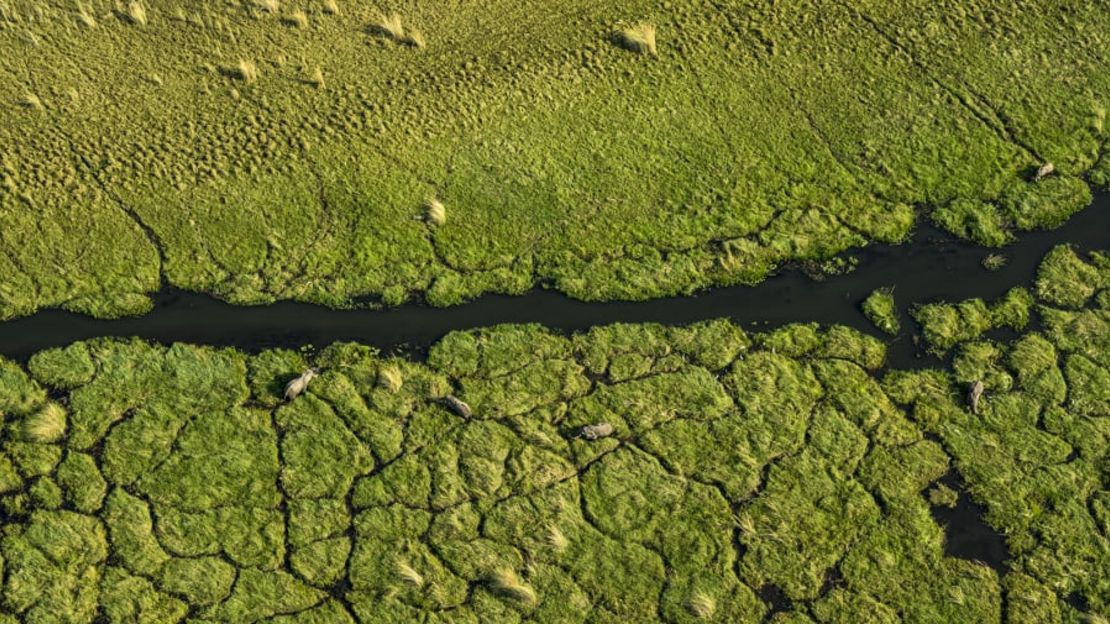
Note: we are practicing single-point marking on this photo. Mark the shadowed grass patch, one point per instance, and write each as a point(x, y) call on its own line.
point(245, 71)
point(390, 26)
point(507, 583)
point(638, 38)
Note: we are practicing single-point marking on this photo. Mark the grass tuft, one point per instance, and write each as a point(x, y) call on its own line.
point(416, 39)
point(639, 38)
point(316, 78)
point(136, 13)
point(409, 574)
point(244, 70)
point(390, 26)
point(390, 378)
point(702, 605)
point(995, 261)
point(435, 213)
point(943, 496)
point(85, 16)
point(32, 101)
point(556, 538)
point(297, 19)
point(507, 583)
point(269, 6)
point(331, 7)
point(46, 425)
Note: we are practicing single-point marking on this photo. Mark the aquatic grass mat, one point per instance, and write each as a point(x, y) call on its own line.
point(631, 473)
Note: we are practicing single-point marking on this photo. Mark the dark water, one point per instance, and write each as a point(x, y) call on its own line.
point(932, 266)
point(967, 535)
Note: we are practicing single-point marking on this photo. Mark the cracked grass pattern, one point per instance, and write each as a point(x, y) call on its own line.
point(782, 476)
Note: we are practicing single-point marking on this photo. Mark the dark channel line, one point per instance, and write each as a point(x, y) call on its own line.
point(932, 266)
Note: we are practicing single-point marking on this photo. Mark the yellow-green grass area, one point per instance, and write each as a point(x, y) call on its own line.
point(290, 149)
point(144, 483)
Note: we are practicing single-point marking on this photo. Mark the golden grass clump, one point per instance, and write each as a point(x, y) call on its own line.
point(416, 38)
point(435, 213)
point(408, 574)
point(507, 583)
point(316, 78)
point(390, 378)
point(269, 6)
point(702, 605)
point(244, 70)
point(556, 538)
point(32, 101)
point(639, 38)
point(391, 26)
point(46, 425)
point(136, 12)
point(297, 18)
point(84, 16)
point(331, 7)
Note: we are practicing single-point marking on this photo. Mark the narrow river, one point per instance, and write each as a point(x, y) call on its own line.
point(932, 266)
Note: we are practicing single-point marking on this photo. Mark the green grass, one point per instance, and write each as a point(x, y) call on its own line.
point(945, 325)
point(145, 482)
point(880, 309)
point(747, 141)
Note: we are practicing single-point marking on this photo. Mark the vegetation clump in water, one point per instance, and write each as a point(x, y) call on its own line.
point(879, 308)
point(740, 475)
point(712, 158)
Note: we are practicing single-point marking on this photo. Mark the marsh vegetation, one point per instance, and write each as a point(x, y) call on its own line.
point(743, 476)
point(744, 138)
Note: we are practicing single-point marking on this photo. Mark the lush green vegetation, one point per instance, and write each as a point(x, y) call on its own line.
point(880, 309)
point(143, 483)
point(267, 149)
point(945, 324)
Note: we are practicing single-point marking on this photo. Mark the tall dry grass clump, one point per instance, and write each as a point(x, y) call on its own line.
point(702, 605)
point(331, 7)
point(408, 574)
point(416, 39)
point(435, 213)
point(316, 78)
point(390, 378)
point(269, 6)
point(297, 18)
point(639, 38)
point(244, 70)
point(507, 583)
point(135, 12)
point(31, 101)
point(390, 26)
point(46, 425)
point(85, 16)
point(556, 538)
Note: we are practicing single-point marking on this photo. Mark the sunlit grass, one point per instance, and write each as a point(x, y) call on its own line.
point(507, 582)
point(639, 38)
